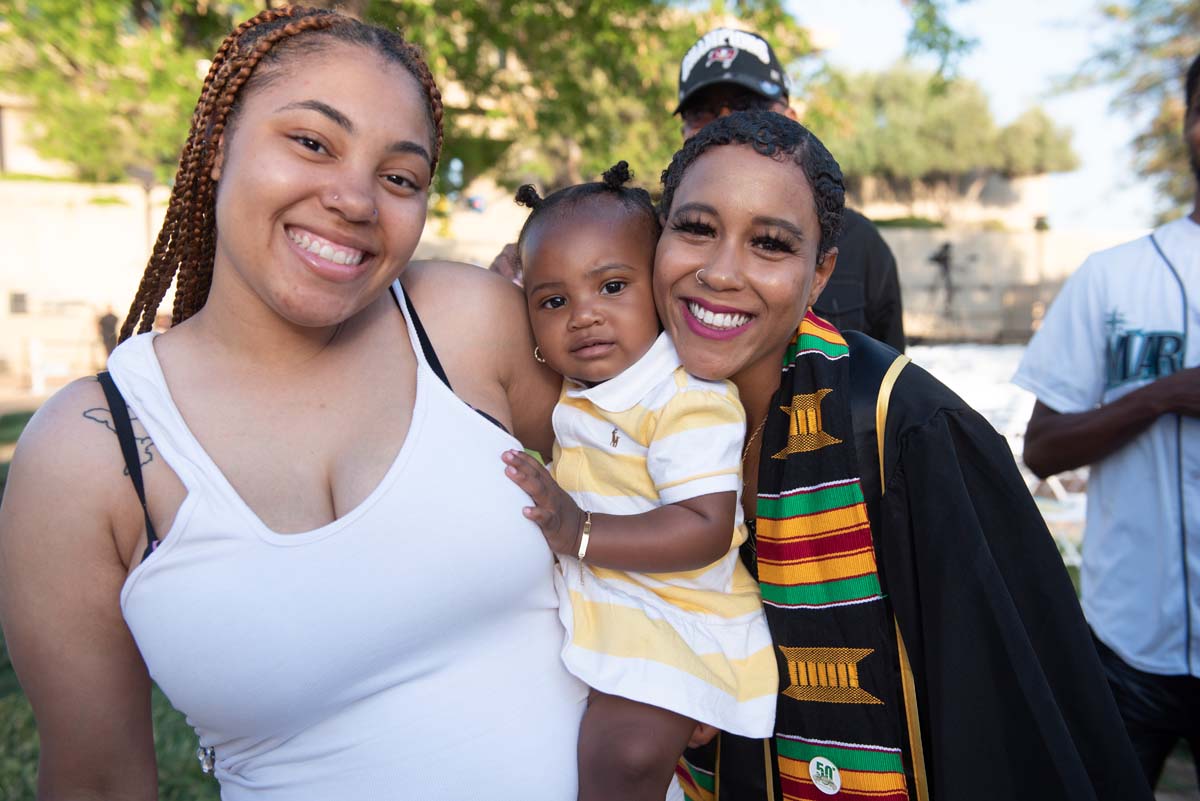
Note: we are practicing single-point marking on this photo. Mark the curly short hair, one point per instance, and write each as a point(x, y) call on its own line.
point(775, 136)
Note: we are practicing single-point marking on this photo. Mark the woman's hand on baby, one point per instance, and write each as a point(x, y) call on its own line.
point(555, 512)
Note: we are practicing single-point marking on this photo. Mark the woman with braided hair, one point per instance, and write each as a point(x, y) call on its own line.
point(318, 558)
point(927, 637)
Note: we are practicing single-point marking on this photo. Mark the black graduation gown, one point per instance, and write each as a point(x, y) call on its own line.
point(1012, 699)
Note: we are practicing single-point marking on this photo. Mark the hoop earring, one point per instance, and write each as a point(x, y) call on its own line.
point(700, 280)
point(537, 354)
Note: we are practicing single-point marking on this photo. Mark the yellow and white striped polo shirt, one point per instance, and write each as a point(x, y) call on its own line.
point(694, 642)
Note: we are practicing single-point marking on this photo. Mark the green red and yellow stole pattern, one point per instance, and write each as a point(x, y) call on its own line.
point(814, 542)
point(839, 726)
point(864, 772)
point(697, 783)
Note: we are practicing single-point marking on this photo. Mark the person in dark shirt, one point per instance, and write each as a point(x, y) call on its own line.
point(729, 70)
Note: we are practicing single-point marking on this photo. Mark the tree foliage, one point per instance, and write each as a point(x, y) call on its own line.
point(572, 87)
point(907, 127)
point(932, 33)
point(1146, 57)
point(547, 90)
point(112, 82)
point(1032, 144)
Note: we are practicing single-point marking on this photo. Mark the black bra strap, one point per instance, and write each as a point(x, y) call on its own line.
point(129, 450)
point(423, 338)
point(431, 355)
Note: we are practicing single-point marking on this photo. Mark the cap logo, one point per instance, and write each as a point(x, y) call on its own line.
point(725, 55)
point(738, 40)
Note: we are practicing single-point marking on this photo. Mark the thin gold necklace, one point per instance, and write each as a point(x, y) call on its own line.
point(750, 442)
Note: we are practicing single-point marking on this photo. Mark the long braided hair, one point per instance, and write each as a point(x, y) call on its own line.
point(186, 243)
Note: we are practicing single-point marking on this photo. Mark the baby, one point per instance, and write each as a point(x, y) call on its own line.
point(663, 621)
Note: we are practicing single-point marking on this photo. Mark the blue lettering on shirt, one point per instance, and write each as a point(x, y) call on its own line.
point(1137, 355)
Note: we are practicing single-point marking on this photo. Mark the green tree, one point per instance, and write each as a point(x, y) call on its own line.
point(931, 33)
point(573, 86)
point(917, 132)
point(113, 81)
point(553, 90)
point(1146, 57)
point(1032, 144)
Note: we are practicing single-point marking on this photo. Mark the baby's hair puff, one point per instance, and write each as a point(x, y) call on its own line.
point(613, 184)
point(528, 196)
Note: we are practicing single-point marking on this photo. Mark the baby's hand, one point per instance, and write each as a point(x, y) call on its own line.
point(553, 509)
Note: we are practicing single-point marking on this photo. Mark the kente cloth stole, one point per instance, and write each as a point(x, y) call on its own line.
point(840, 721)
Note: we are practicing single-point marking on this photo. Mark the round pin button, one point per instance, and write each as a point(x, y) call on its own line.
point(825, 775)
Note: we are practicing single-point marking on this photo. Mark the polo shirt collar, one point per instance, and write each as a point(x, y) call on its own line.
point(624, 391)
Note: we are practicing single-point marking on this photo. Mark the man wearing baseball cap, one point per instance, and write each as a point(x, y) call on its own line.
point(729, 70)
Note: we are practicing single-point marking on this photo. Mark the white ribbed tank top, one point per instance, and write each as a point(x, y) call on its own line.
point(407, 650)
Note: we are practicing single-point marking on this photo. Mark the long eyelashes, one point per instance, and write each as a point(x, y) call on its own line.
point(692, 225)
point(775, 241)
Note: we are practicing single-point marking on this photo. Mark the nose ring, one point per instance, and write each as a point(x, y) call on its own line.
point(700, 280)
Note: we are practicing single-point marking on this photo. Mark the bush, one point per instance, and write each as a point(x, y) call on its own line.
point(11, 426)
point(908, 222)
point(18, 748)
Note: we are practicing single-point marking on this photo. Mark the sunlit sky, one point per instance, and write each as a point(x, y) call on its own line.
point(1024, 47)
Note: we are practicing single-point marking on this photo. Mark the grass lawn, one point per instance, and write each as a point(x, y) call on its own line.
point(11, 426)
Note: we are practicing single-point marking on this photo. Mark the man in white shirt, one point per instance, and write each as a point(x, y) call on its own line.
point(1114, 368)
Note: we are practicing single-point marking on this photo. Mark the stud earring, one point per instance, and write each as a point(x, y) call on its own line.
point(537, 354)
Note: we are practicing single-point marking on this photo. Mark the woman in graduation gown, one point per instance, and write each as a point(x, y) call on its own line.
point(929, 642)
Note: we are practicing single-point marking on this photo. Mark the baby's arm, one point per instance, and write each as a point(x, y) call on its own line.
point(693, 459)
point(685, 535)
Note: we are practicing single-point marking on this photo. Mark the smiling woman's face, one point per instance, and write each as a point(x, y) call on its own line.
point(748, 222)
point(322, 186)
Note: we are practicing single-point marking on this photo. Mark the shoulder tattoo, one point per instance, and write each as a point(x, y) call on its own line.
point(103, 416)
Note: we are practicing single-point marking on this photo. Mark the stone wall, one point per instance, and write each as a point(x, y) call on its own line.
point(997, 284)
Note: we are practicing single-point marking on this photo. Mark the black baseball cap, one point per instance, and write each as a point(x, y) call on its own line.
point(732, 56)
